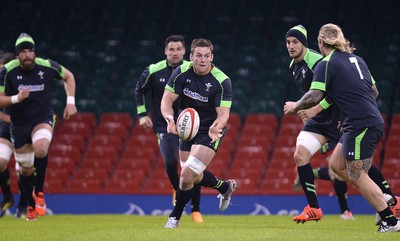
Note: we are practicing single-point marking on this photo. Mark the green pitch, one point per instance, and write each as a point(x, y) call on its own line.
point(221, 228)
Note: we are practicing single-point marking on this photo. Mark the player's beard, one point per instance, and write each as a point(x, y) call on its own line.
point(27, 63)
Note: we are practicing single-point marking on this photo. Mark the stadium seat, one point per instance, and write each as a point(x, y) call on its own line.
point(78, 128)
point(76, 140)
point(257, 118)
point(84, 185)
point(102, 152)
point(120, 117)
point(98, 174)
point(60, 162)
point(113, 128)
point(278, 186)
point(157, 185)
point(65, 151)
point(88, 118)
point(96, 163)
point(147, 153)
point(130, 174)
point(123, 186)
point(102, 140)
point(57, 174)
point(135, 163)
point(54, 186)
point(142, 140)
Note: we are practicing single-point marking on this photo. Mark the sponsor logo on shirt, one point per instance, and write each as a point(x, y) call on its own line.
point(194, 95)
point(32, 88)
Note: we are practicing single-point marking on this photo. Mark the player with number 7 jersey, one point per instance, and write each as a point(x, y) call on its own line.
point(346, 79)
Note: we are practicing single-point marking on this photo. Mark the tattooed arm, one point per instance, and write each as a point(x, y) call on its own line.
point(309, 99)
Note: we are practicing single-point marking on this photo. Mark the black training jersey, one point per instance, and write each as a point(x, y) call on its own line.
point(303, 73)
point(346, 79)
point(153, 79)
point(203, 93)
point(37, 80)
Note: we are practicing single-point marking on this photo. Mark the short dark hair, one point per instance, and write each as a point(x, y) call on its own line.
point(6, 57)
point(175, 38)
point(201, 42)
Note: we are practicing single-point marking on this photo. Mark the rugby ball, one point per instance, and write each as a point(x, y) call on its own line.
point(188, 124)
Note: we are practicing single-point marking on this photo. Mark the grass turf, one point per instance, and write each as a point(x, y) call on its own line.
point(221, 228)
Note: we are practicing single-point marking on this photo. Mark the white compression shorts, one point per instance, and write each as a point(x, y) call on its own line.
point(25, 159)
point(5, 152)
point(309, 141)
point(195, 164)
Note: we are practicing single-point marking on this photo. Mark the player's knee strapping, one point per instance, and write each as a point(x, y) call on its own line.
point(25, 159)
point(42, 133)
point(195, 164)
point(309, 141)
point(5, 151)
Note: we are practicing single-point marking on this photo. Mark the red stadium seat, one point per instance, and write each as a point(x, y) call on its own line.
point(102, 152)
point(84, 185)
point(135, 163)
point(113, 128)
point(54, 186)
point(107, 140)
point(142, 140)
point(65, 163)
point(123, 186)
point(65, 151)
point(78, 128)
point(147, 153)
point(96, 163)
point(129, 174)
point(57, 174)
point(266, 120)
point(121, 117)
point(76, 140)
point(93, 174)
point(83, 117)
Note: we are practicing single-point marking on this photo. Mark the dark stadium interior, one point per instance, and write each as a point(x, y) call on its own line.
point(106, 44)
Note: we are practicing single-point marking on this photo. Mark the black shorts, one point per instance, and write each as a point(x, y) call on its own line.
point(21, 135)
point(5, 131)
point(328, 129)
point(168, 144)
point(202, 138)
point(360, 144)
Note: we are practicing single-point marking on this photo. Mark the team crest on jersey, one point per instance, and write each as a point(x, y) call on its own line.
point(162, 79)
point(41, 73)
point(208, 86)
point(303, 71)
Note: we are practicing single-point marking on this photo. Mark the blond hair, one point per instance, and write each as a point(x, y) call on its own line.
point(332, 35)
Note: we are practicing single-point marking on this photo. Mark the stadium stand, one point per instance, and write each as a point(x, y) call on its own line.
point(112, 43)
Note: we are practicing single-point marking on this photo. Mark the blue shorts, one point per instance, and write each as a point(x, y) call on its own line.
point(202, 138)
point(5, 131)
point(360, 144)
point(21, 135)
